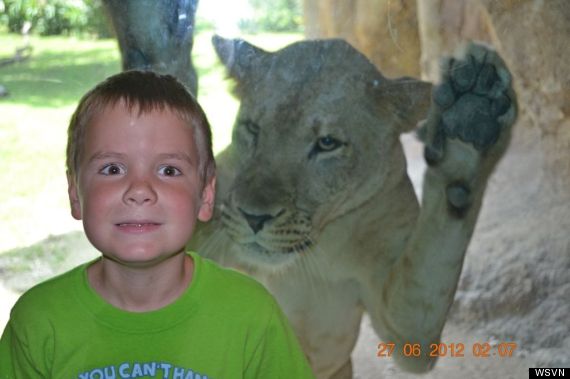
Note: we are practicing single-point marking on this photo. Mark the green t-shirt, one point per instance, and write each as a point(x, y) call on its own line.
point(225, 325)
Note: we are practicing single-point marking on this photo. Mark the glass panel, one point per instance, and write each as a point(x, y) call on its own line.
point(318, 110)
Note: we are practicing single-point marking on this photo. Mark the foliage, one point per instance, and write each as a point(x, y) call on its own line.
point(203, 25)
point(97, 24)
point(274, 16)
point(73, 17)
point(55, 17)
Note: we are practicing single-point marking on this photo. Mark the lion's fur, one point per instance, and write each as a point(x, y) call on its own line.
point(315, 202)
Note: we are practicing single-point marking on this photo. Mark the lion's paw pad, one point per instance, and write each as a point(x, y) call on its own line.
point(468, 125)
point(474, 101)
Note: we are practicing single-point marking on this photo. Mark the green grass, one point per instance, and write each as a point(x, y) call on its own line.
point(33, 121)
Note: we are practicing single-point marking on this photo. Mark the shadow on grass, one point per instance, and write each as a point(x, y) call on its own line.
point(22, 268)
point(53, 79)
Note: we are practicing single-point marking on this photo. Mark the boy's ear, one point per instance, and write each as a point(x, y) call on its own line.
point(206, 210)
point(73, 197)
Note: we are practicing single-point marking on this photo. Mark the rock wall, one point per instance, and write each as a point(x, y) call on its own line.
point(516, 279)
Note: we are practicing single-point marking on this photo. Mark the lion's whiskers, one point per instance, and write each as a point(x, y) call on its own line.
point(312, 270)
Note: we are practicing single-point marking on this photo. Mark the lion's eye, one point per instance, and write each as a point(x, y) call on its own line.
point(327, 143)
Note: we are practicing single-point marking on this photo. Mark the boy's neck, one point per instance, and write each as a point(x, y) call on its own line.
point(145, 289)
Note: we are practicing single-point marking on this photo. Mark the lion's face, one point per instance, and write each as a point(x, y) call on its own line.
point(315, 138)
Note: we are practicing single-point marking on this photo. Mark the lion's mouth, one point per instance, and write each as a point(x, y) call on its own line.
point(298, 248)
point(256, 255)
point(268, 242)
point(254, 247)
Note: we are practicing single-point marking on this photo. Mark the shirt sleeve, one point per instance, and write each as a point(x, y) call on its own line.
point(278, 354)
point(15, 359)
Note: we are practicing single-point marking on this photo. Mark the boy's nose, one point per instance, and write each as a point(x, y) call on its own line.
point(140, 192)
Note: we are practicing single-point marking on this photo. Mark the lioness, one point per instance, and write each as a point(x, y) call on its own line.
point(314, 200)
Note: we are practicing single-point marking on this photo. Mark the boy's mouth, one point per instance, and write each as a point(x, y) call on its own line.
point(138, 227)
point(139, 224)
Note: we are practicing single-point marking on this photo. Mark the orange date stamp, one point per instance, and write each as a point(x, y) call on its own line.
point(453, 350)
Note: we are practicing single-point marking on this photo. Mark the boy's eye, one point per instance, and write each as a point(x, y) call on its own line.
point(112, 169)
point(169, 171)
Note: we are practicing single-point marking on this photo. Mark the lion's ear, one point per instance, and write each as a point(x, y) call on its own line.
point(406, 98)
point(241, 58)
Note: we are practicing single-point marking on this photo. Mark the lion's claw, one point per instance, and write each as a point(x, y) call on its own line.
point(458, 196)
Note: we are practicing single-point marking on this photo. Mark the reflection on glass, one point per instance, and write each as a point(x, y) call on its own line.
point(318, 202)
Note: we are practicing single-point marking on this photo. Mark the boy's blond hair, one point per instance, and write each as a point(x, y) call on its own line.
point(143, 92)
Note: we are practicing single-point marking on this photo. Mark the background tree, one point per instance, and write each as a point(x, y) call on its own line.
point(386, 31)
point(55, 17)
point(274, 16)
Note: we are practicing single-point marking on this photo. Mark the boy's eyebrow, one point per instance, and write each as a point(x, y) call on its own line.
point(101, 155)
point(181, 156)
point(106, 155)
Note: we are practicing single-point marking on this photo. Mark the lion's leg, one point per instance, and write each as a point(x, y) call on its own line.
point(345, 372)
point(468, 130)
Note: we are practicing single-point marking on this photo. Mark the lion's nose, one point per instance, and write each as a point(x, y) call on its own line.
point(255, 222)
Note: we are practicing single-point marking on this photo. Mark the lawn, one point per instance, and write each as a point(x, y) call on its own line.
point(33, 122)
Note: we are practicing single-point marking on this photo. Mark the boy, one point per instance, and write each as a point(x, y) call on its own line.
point(140, 172)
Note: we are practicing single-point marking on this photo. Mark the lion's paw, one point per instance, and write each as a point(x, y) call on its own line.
point(468, 126)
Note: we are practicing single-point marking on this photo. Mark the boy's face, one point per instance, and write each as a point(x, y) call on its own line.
point(138, 188)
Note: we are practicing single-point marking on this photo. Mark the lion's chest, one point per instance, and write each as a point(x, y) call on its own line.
point(325, 315)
